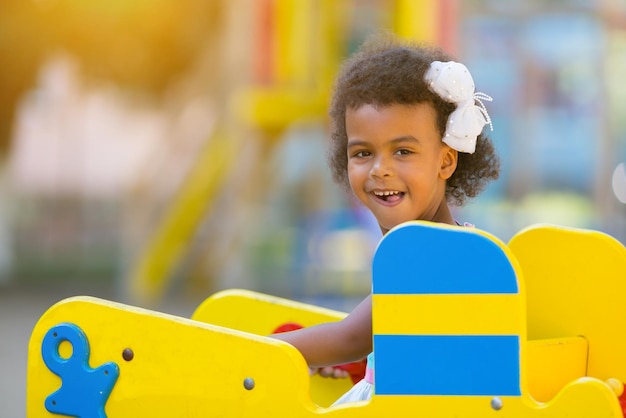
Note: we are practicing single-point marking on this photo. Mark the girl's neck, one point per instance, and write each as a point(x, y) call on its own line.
point(443, 214)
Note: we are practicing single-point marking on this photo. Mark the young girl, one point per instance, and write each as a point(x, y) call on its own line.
point(407, 141)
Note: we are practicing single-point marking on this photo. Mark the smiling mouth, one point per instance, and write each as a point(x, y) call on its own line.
point(388, 195)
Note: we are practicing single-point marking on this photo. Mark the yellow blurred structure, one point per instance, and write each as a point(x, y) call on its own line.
point(299, 91)
point(469, 356)
point(305, 47)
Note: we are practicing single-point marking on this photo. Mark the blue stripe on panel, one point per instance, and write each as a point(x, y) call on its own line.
point(424, 259)
point(447, 365)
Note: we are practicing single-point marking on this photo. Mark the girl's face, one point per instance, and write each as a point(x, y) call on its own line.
point(397, 163)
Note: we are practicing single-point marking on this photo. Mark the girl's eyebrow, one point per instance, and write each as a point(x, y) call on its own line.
point(357, 143)
point(406, 138)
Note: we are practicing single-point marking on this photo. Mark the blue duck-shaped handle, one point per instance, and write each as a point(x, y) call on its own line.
point(84, 391)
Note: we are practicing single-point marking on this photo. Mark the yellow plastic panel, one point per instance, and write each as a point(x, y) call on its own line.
point(180, 368)
point(583, 398)
point(186, 368)
point(552, 363)
point(576, 286)
point(261, 314)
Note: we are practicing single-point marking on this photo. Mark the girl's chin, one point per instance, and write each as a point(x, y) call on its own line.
point(386, 226)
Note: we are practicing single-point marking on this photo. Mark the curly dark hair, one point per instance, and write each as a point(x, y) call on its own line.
point(385, 71)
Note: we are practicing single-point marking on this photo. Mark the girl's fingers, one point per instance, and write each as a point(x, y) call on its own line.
point(332, 372)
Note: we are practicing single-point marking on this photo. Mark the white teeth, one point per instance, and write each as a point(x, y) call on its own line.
point(386, 193)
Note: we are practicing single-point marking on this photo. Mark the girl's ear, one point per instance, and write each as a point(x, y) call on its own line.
point(449, 161)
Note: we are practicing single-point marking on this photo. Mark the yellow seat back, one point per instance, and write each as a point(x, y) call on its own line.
point(576, 286)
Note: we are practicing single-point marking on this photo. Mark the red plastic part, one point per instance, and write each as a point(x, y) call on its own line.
point(622, 402)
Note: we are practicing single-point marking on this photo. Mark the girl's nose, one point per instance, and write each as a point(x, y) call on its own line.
point(381, 167)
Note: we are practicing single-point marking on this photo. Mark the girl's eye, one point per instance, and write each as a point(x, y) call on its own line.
point(362, 154)
point(403, 151)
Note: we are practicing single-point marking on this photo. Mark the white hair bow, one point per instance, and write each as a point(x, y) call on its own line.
point(453, 82)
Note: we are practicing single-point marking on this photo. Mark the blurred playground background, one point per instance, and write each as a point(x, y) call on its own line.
point(156, 151)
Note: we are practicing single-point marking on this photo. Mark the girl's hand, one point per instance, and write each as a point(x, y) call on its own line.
point(355, 370)
point(329, 371)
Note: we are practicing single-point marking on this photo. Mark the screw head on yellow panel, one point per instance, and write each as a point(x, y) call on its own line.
point(496, 403)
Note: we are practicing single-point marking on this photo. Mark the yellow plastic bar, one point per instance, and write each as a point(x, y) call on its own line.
point(331, 47)
point(258, 313)
point(274, 109)
point(293, 41)
point(417, 20)
point(487, 314)
point(150, 276)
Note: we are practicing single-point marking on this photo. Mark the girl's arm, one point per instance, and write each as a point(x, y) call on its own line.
point(335, 343)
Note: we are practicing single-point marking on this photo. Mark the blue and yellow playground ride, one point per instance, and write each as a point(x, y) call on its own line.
point(529, 329)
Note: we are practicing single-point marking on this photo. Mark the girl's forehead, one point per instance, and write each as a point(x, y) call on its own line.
point(393, 110)
point(382, 106)
point(370, 122)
